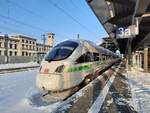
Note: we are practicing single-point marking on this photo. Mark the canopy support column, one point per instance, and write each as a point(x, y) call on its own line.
point(146, 59)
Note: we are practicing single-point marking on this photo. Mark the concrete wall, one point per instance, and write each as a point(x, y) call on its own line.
point(18, 59)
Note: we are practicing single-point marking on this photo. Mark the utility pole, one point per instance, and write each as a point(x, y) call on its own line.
point(44, 40)
point(6, 47)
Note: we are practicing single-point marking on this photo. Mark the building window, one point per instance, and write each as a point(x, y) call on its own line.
point(10, 46)
point(30, 47)
point(0, 44)
point(10, 53)
point(30, 42)
point(29, 54)
point(26, 53)
point(22, 46)
point(15, 46)
point(22, 53)
point(22, 40)
point(33, 43)
point(26, 41)
point(15, 53)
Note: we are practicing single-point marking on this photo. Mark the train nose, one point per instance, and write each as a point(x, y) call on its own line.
point(50, 82)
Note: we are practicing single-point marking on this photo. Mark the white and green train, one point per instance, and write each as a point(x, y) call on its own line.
point(71, 63)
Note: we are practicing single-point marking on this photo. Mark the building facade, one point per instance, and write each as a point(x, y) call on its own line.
point(25, 46)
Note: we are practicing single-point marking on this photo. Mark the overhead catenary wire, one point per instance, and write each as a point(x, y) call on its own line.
point(25, 9)
point(18, 32)
point(76, 6)
point(70, 16)
point(13, 3)
point(22, 23)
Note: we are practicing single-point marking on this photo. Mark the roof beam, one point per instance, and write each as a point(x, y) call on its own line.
point(140, 9)
point(142, 41)
point(123, 2)
point(119, 16)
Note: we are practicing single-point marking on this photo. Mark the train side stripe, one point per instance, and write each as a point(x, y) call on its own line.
point(84, 67)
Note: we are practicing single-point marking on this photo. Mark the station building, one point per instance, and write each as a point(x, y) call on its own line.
point(24, 46)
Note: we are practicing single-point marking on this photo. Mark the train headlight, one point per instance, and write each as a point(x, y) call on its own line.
point(60, 69)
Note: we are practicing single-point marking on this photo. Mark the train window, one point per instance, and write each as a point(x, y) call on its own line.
point(61, 51)
point(67, 44)
point(103, 57)
point(87, 57)
point(96, 56)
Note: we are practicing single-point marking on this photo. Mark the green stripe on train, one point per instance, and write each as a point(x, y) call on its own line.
point(84, 67)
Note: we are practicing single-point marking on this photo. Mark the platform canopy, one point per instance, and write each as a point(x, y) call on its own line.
point(114, 14)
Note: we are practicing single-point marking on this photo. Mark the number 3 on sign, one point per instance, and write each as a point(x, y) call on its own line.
point(121, 32)
point(124, 32)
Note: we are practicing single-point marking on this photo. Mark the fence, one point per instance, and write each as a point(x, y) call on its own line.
point(18, 59)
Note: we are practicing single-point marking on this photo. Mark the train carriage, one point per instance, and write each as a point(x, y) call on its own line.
point(70, 63)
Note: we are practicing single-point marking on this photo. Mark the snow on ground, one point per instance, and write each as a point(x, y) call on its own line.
point(14, 91)
point(95, 108)
point(18, 65)
point(140, 89)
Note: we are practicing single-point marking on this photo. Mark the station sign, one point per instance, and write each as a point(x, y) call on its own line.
point(127, 32)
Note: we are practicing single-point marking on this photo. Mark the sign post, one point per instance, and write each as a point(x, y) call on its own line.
point(128, 32)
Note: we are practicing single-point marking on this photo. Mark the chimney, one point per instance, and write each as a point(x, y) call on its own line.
point(50, 39)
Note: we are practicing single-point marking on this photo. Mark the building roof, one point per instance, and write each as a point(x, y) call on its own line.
point(10, 38)
point(39, 44)
point(23, 36)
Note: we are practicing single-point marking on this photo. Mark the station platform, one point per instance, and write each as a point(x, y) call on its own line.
point(139, 82)
point(115, 91)
point(14, 67)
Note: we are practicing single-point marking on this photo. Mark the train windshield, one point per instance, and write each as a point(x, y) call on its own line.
point(61, 51)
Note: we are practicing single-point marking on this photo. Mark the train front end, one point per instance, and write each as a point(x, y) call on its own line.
point(53, 75)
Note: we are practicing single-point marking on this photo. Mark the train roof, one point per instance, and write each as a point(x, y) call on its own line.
point(81, 41)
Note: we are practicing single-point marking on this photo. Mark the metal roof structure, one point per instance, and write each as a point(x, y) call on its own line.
point(108, 44)
point(123, 13)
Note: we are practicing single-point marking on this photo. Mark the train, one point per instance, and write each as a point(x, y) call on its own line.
point(72, 62)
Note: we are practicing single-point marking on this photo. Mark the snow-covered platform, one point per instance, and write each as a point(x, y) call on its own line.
point(17, 66)
point(140, 88)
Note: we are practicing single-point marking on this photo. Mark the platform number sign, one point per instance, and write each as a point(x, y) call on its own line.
point(123, 32)
point(127, 32)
